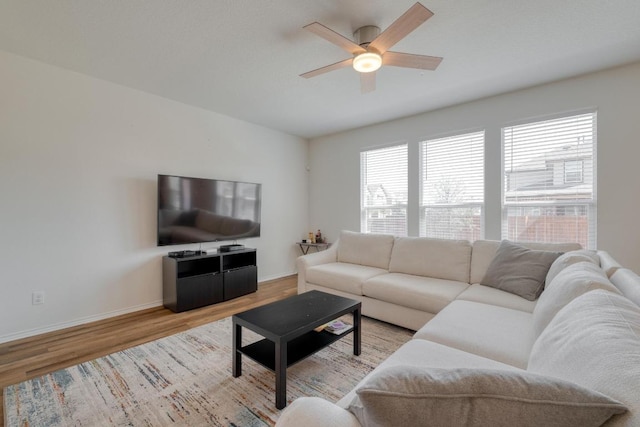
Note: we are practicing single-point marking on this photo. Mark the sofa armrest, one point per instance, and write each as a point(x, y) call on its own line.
point(608, 263)
point(316, 412)
point(305, 261)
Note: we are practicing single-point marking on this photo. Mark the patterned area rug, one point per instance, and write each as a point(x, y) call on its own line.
point(185, 379)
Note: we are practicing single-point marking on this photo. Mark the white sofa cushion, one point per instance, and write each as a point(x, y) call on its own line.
point(373, 250)
point(493, 296)
point(628, 283)
point(438, 258)
point(497, 333)
point(519, 270)
point(570, 283)
point(594, 341)
point(422, 293)
point(342, 276)
point(419, 352)
point(419, 396)
point(569, 258)
point(484, 251)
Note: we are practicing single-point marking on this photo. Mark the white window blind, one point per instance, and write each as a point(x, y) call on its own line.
point(452, 199)
point(383, 177)
point(549, 175)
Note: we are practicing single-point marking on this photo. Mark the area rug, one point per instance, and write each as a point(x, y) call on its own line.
point(186, 380)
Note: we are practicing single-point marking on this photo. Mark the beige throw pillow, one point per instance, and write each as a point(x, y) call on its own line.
point(519, 270)
point(421, 396)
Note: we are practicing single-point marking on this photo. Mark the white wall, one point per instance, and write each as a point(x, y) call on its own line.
point(78, 163)
point(335, 181)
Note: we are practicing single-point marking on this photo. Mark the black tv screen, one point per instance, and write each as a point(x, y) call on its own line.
point(196, 210)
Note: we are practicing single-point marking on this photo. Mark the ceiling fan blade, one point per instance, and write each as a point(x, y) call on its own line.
point(402, 26)
point(326, 69)
point(368, 82)
point(335, 38)
point(409, 60)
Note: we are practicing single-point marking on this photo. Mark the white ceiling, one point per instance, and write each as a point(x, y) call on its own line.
point(242, 58)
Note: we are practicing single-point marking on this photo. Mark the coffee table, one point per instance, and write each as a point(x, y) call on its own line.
point(289, 336)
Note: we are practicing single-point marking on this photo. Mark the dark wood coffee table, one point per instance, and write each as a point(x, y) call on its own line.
point(288, 330)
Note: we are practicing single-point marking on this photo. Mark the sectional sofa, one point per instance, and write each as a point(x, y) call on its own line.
point(491, 347)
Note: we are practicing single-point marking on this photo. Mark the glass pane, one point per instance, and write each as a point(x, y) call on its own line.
point(386, 221)
point(557, 223)
point(453, 223)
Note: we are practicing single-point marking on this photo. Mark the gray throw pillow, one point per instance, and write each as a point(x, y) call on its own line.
point(421, 396)
point(519, 270)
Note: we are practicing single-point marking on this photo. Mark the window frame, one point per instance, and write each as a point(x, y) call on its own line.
point(578, 205)
point(365, 210)
point(423, 206)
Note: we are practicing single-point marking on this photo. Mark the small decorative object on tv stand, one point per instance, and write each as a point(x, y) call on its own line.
point(184, 254)
point(229, 248)
point(194, 281)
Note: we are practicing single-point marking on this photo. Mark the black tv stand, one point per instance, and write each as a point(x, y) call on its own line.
point(194, 281)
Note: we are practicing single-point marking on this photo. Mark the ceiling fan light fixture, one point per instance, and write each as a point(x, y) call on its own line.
point(367, 62)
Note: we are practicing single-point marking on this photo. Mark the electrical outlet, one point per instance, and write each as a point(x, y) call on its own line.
point(37, 297)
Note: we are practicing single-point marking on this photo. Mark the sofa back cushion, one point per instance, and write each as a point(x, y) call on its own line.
point(594, 341)
point(569, 258)
point(373, 250)
point(575, 280)
point(485, 250)
point(437, 258)
point(628, 283)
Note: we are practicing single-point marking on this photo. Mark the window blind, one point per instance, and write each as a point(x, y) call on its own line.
point(384, 190)
point(549, 174)
point(452, 187)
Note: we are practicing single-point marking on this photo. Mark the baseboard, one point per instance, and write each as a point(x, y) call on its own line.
point(271, 279)
point(77, 322)
point(102, 316)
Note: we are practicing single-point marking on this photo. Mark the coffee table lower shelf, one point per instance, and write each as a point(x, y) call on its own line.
point(298, 349)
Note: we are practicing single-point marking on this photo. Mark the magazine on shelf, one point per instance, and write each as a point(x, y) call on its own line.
point(337, 327)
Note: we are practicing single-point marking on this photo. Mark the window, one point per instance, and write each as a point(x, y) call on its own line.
point(384, 192)
point(549, 175)
point(573, 171)
point(452, 188)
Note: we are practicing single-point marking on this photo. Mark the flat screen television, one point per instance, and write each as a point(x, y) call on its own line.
point(196, 210)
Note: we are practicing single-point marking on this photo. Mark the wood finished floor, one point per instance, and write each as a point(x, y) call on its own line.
point(35, 356)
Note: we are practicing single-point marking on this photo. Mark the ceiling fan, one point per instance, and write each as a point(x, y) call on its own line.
point(370, 48)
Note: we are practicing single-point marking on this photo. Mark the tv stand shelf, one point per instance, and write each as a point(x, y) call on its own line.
point(201, 280)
